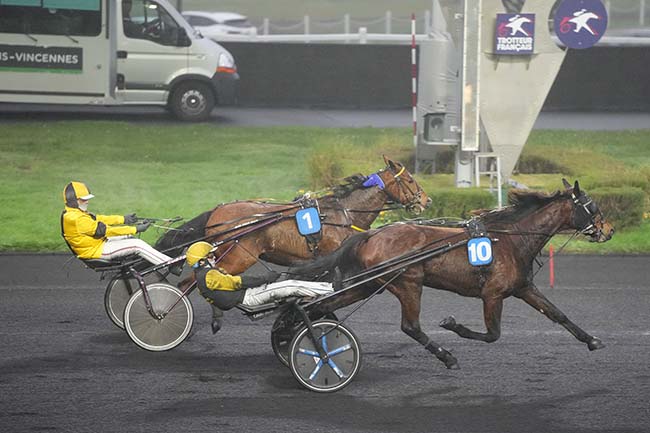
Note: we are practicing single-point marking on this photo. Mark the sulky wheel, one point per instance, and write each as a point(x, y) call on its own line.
point(340, 364)
point(119, 291)
point(169, 328)
point(284, 329)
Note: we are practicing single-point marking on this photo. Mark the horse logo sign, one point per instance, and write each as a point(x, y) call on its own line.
point(580, 23)
point(515, 34)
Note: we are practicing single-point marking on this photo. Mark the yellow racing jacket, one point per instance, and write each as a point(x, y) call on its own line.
point(86, 233)
point(219, 288)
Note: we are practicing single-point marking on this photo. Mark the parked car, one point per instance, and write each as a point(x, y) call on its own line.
point(213, 24)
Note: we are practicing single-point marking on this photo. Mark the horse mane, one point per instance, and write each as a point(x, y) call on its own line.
point(350, 184)
point(523, 203)
point(188, 232)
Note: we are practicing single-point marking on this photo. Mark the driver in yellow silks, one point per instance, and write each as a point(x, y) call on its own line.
point(224, 291)
point(92, 236)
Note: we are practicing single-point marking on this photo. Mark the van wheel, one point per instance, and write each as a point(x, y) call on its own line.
point(192, 101)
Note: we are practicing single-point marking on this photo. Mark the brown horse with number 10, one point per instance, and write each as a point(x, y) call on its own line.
point(517, 234)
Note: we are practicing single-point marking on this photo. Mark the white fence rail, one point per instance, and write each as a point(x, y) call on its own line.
point(622, 15)
point(345, 24)
point(363, 37)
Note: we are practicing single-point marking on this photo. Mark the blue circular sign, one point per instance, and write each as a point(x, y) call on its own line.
point(580, 23)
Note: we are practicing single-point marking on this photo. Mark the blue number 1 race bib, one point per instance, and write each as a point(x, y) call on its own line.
point(308, 221)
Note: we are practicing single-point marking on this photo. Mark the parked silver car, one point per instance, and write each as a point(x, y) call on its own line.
point(213, 24)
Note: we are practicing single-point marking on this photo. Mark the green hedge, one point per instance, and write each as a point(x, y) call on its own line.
point(449, 203)
point(622, 207)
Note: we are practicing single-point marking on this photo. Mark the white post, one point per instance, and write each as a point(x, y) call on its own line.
point(499, 182)
point(427, 22)
point(414, 82)
point(363, 35)
point(306, 28)
point(642, 13)
point(346, 26)
point(389, 19)
point(266, 26)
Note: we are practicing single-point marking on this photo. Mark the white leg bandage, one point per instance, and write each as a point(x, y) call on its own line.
point(119, 246)
point(284, 289)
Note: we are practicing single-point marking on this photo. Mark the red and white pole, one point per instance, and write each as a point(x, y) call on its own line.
point(551, 267)
point(414, 82)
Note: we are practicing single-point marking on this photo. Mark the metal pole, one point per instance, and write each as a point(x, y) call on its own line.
point(499, 200)
point(427, 22)
point(642, 13)
point(363, 35)
point(389, 19)
point(265, 26)
point(346, 27)
point(179, 5)
point(306, 28)
point(414, 83)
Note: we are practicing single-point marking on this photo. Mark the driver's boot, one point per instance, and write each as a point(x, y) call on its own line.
point(217, 319)
point(337, 282)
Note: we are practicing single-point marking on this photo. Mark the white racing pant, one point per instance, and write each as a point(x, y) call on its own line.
point(284, 289)
point(120, 246)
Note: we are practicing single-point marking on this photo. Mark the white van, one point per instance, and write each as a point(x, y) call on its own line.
point(111, 52)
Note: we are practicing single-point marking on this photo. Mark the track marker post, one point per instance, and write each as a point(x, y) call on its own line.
point(414, 82)
point(551, 267)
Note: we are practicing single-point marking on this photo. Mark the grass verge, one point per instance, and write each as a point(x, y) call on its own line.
point(168, 170)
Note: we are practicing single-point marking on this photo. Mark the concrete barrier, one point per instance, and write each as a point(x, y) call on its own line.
point(378, 76)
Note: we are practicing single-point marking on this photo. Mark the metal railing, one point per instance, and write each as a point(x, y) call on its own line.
point(308, 26)
point(639, 10)
point(363, 37)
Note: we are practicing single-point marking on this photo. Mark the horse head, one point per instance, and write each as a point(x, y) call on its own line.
point(400, 187)
point(586, 217)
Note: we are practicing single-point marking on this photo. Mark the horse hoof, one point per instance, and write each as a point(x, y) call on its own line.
point(452, 364)
point(595, 344)
point(447, 358)
point(448, 323)
point(216, 325)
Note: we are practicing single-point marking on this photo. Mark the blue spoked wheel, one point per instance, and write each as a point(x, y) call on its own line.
point(333, 371)
point(284, 329)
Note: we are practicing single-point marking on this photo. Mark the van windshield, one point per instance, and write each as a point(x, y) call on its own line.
point(146, 19)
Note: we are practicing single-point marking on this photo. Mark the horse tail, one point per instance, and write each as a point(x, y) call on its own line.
point(192, 230)
point(345, 258)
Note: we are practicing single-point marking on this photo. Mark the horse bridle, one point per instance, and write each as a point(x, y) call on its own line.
point(585, 214)
point(416, 196)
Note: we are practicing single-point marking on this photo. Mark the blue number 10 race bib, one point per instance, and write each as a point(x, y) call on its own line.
point(479, 251)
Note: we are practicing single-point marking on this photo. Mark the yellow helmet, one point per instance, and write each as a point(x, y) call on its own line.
point(196, 252)
point(74, 191)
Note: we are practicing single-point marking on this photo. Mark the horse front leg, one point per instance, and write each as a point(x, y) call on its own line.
point(410, 301)
point(533, 297)
point(492, 308)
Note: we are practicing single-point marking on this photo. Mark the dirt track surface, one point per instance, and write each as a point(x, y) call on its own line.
point(64, 367)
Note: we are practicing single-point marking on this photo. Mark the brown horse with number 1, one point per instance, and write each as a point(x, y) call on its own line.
point(348, 209)
point(517, 234)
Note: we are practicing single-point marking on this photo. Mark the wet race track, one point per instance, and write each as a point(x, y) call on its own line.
point(65, 367)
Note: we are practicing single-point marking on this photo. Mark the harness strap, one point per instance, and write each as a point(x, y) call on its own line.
point(346, 226)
